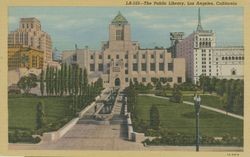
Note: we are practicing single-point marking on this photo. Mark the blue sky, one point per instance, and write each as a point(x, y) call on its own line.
point(150, 26)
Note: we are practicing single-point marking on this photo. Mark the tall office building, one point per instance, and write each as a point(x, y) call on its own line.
point(30, 34)
point(204, 58)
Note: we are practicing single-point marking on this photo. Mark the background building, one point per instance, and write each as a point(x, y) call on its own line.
point(57, 55)
point(30, 34)
point(122, 59)
point(24, 57)
point(204, 58)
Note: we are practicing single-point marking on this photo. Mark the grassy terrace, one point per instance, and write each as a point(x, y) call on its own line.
point(181, 118)
point(22, 111)
point(208, 100)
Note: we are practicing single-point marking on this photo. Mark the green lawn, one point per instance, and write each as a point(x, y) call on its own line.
point(208, 100)
point(181, 118)
point(22, 111)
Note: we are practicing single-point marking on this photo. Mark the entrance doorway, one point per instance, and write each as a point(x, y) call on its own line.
point(117, 82)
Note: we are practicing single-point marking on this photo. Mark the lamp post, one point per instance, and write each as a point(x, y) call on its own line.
point(197, 101)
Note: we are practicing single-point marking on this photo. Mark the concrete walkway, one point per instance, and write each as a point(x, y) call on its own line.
point(203, 106)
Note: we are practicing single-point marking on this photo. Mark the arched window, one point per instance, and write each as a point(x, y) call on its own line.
point(233, 71)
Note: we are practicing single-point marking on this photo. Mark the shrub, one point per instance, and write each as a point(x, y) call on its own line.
point(154, 117)
point(22, 137)
point(176, 95)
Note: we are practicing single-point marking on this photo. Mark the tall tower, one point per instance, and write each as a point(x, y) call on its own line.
point(199, 27)
point(30, 34)
point(119, 33)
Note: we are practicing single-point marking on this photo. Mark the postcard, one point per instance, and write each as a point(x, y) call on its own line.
point(139, 78)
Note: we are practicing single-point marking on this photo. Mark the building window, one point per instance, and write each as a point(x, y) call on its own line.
point(143, 56)
point(109, 57)
point(170, 67)
point(135, 79)
point(152, 66)
point(92, 67)
point(126, 71)
point(161, 66)
point(179, 79)
point(135, 56)
point(152, 56)
point(74, 57)
point(233, 72)
point(126, 65)
point(135, 67)
point(117, 56)
point(100, 67)
point(126, 56)
point(92, 57)
point(144, 79)
point(108, 65)
point(119, 35)
point(143, 67)
point(100, 56)
point(161, 55)
point(126, 79)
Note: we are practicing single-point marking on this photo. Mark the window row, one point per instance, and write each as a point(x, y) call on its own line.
point(152, 67)
point(135, 56)
point(154, 79)
point(136, 68)
point(233, 58)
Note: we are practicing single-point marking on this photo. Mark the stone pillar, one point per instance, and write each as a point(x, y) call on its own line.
point(96, 57)
point(157, 62)
point(165, 62)
point(130, 63)
point(139, 62)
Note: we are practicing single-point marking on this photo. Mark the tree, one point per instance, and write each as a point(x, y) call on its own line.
point(85, 81)
point(52, 77)
point(65, 78)
point(204, 83)
point(131, 97)
point(47, 80)
point(149, 86)
point(42, 82)
point(220, 87)
point(40, 115)
point(70, 80)
point(176, 95)
point(27, 82)
point(158, 85)
point(55, 81)
point(154, 118)
point(62, 71)
point(80, 81)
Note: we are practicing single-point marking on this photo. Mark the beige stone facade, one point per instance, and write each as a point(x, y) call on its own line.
point(122, 59)
point(30, 34)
